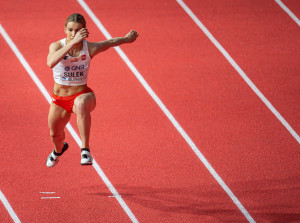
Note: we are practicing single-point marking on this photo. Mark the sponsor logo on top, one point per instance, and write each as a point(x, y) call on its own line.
point(80, 67)
point(73, 73)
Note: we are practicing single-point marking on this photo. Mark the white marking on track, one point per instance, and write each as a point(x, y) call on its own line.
point(47, 192)
point(115, 196)
point(288, 11)
point(167, 112)
point(239, 70)
point(7, 205)
point(50, 197)
point(69, 126)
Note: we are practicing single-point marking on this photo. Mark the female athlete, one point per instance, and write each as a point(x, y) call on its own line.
point(69, 59)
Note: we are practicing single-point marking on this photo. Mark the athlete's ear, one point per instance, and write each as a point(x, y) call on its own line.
point(65, 29)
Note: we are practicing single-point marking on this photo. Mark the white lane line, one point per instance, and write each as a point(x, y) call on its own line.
point(239, 70)
point(69, 126)
point(288, 11)
point(8, 207)
point(167, 112)
point(47, 192)
point(50, 197)
point(25, 64)
point(105, 179)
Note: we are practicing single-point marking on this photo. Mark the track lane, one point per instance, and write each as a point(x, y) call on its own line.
point(268, 50)
point(219, 111)
point(264, 42)
point(24, 174)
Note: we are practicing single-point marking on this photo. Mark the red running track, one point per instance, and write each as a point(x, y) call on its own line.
point(148, 162)
point(294, 6)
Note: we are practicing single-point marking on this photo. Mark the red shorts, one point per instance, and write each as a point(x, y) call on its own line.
point(68, 101)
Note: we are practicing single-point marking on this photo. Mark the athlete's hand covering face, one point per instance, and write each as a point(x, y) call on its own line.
point(80, 35)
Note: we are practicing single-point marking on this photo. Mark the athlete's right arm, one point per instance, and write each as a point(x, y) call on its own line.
point(56, 53)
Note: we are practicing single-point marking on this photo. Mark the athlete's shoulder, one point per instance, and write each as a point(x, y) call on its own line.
point(92, 44)
point(55, 45)
point(89, 43)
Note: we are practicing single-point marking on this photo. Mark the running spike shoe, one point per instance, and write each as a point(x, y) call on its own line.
point(86, 157)
point(53, 158)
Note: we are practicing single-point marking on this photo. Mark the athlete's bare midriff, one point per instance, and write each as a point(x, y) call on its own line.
point(63, 90)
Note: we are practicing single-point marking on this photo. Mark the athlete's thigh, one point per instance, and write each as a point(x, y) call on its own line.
point(58, 118)
point(87, 100)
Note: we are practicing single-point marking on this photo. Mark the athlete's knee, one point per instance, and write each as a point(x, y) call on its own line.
point(80, 105)
point(83, 105)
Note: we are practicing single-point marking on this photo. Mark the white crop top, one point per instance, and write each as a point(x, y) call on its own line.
point(73, 71)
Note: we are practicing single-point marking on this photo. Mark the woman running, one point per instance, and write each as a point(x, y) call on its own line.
point(70, 59)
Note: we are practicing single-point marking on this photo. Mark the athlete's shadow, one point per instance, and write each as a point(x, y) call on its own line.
point(206, 200)
point(192, 201)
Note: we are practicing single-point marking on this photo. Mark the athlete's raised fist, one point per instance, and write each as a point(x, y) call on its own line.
point(131, 36)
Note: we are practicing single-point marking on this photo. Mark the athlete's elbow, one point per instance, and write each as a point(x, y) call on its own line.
point(50, 64)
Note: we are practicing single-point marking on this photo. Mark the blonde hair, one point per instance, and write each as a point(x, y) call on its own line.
point(76, 17)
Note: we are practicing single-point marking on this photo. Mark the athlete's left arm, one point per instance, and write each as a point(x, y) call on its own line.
point(95, 48)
